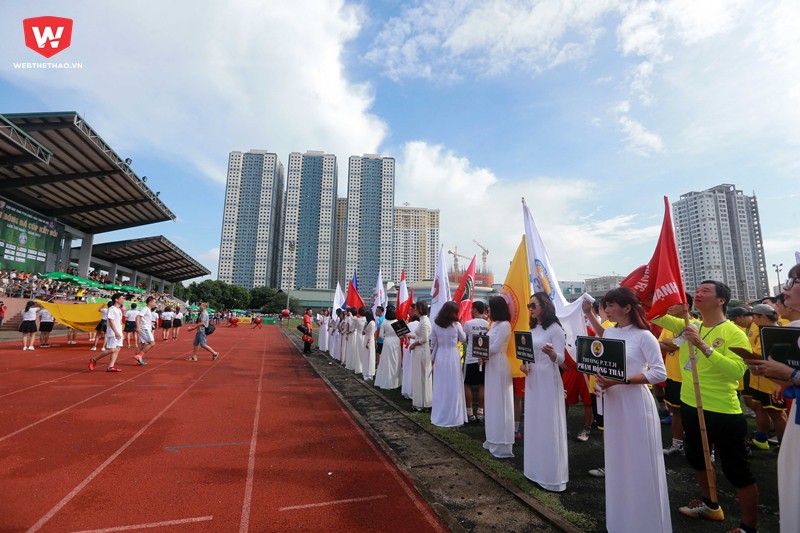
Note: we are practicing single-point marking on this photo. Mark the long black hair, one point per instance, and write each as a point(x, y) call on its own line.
point(623, 296)
point(448, 315)
point(548, 316)
point(498, 307)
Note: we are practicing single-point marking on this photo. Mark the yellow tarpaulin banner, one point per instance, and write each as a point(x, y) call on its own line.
point(80, 316)
point(517, 289)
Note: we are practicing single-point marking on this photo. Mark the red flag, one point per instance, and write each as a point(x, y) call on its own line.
point(353, 298)
point(465, 293)
point(403, 300)
point(659, 283)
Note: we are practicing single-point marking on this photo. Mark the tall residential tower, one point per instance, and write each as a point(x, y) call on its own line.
point(370, 219)
point(718, 234)
point(251, 221)
point(416, 242)
point(307, 256)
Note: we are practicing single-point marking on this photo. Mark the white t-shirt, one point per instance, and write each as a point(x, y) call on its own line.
point(30, 314)
point(114, 316)
point(146, 317)
point(131, 314)
point(476, 326)
point(45, 316)
point(104, 312)
point(178, 316)
point(167, 316)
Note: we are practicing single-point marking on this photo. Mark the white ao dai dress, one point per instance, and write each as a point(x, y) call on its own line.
point(388, 373)
point(449, 408)
point(789, 469)
point(545, 459)
point(358, 325)
point(350, 343)
point(636, 482)
point(324, 334)
point(408, 359)
point(421, 389)
point(498, 396)
point(368, 351)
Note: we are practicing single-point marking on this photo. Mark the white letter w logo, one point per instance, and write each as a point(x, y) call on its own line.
point(42, 37)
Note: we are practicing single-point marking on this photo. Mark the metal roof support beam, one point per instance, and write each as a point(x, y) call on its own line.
point(44, 126)
point(55, 178)
point(88, 208)
point(15, 160)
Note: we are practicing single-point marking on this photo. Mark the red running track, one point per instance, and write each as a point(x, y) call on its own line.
point(252, 442)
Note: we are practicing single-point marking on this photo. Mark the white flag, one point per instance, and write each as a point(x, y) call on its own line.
point(379, 297)
point(796, 258)
point(338, 298)
point(440, 291)
point(544, 279)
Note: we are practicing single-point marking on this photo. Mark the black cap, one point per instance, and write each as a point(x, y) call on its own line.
point(738, 311)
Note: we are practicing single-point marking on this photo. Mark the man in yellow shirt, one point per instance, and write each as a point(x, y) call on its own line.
point(719, 370)
point(672, 390)
point(766, 407)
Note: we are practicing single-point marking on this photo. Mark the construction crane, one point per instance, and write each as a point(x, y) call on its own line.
point(456, 255)
point(483, 255)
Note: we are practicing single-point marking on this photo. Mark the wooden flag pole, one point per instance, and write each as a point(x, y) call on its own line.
point(710, 473)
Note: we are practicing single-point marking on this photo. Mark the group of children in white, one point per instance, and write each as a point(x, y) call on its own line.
point(427, 363)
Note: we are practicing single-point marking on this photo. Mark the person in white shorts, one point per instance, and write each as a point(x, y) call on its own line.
point(144, 329)
point(113, 334)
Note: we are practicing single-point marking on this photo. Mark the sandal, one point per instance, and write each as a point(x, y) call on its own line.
point(192, 359)
point(215, 356)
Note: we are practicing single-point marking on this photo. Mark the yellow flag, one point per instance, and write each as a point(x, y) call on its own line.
point(80, 316)
point(517, 292)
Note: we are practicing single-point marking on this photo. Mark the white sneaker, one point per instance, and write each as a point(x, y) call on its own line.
point(597, 472)
point(93, 349)
point(24, 348)
point(674, 449)
point(30, 348)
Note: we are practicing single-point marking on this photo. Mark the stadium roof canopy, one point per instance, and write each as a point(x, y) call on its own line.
point(154, 256)
point(56, 164)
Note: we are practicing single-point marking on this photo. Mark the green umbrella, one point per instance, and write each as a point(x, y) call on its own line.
point(193, 307)
point(59, 276)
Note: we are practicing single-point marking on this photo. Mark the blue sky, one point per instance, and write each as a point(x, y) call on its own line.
point(591, 110)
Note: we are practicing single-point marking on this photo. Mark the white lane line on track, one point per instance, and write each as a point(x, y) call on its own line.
point(244, 524)
point(42, 383)
point(335, 502)
point(64, 501)
point(64, 410)
point(150, 525)
point(404, 482)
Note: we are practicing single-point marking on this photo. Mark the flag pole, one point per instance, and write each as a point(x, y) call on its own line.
point(711, 474)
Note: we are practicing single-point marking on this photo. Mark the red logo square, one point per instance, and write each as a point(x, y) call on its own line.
point(47, 35)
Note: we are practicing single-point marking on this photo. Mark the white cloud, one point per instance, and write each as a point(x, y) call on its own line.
point(477, 204)
point(447, 39)
point(193, 81)
point(639, 139)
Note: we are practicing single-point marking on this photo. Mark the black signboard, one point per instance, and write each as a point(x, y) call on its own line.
point(524, 345)
point(783, 344)
point(400, 328)
point(602, 356)
point(480, 346)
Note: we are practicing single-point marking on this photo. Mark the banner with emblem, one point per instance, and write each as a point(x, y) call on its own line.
point(465, 293)
point(440, 290)
point(543, 279)
point(517, 293)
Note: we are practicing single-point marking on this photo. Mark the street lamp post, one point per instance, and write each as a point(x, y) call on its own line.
point(777, 268)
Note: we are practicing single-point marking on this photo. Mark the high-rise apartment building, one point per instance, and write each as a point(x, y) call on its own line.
point(307, 248)
point(340, 244)
point(251, 222)
point(416, 242)
point(718, 233)
point(370, 218)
